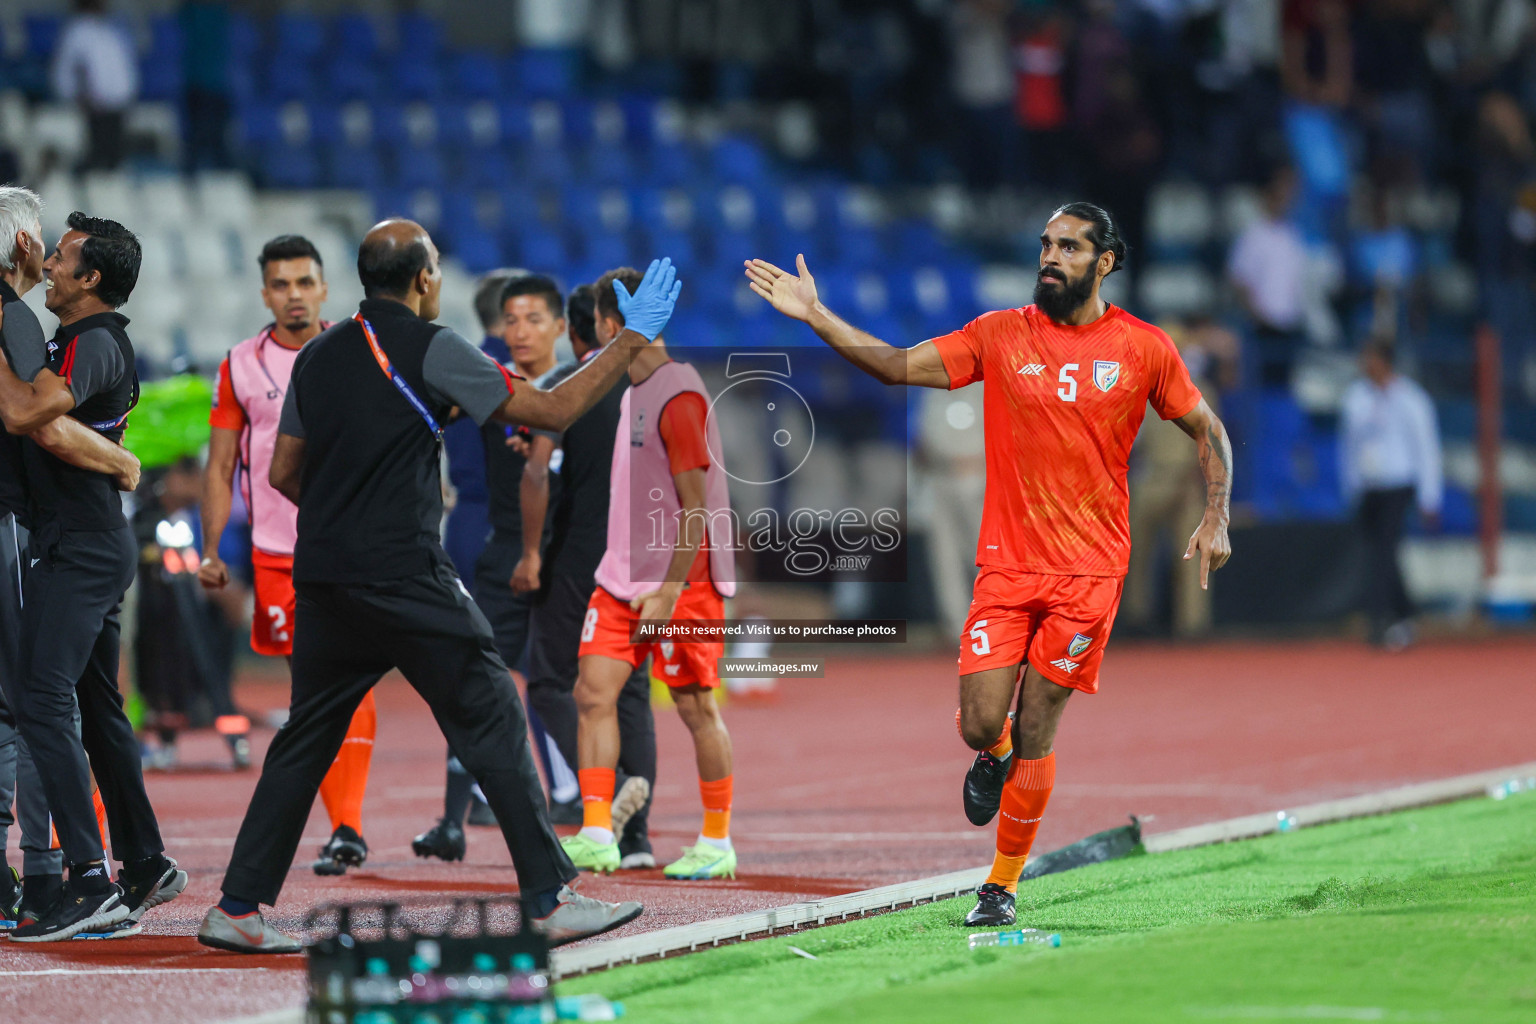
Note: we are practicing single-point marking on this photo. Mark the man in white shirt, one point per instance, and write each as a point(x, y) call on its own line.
point(1390, 459)
point(1267, 266)
point(95, 66)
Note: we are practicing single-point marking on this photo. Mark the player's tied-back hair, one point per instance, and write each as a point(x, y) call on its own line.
point(1105, 233)
point(20, 210)
point(111, 250)
point(288, 247)
point(607, 301)
point(581, 316)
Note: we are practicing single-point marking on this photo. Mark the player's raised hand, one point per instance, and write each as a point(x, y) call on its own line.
point(647, 311)
point(1210, 541)
point(794, 296)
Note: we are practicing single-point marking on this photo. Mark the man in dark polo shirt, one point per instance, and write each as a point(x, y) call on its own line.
point(81, 558)
point(358, 450)
point(24, 346)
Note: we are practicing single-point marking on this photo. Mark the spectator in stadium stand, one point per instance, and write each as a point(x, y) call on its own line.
point(376, 590)
point(25, 349)
point(982, 72)
point(95, 67)
point(80, 561)
point(1267, 267)
point(1390, 461)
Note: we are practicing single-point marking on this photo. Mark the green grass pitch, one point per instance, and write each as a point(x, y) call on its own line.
point(1425, 915)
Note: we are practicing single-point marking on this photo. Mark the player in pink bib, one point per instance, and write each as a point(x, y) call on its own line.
point(666, 561)
point(252, 382)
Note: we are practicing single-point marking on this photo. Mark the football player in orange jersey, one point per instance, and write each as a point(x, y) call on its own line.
point(1068, 383)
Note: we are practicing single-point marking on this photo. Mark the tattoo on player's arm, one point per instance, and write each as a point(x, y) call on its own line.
point(1216, 464)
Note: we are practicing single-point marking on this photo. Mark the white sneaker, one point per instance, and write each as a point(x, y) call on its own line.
point(578, 917)
point(249, 933)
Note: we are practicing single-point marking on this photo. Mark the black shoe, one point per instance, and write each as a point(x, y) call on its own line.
point(994, 907)
point(480, 813)
point(38, 895)
point(76, 912)
point(564, 812)
point(346, 849)
point(240, 751)
point(162, 882)
point(983, 790)
point(10, 899)
point(445, 841)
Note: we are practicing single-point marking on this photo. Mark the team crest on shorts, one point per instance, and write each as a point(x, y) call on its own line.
point(666, 650)
point(1079, 645)
point(1105, 374)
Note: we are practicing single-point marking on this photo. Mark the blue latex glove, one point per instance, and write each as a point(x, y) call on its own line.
point(648, 310)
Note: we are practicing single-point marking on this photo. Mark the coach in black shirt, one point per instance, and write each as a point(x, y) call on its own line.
point(358, 450)
point(80, 559)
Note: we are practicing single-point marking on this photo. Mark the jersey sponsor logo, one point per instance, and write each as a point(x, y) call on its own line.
point(1105, 374)
point(1032, 369)
point(1079, 645)
point(1066, 666)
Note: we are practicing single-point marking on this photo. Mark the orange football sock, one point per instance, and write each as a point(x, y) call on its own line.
point(101, 815)
point(1024, 798)
point(596, 797)
point(344, 785)
point(1004, 745)
point(717, 807)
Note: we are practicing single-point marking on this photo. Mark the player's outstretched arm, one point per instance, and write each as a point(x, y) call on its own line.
point(77, 444)
point(795, 296)
point(646, 312)
point(1210, 539)
point(287, 466)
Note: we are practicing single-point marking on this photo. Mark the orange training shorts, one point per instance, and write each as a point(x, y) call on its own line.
point(610, 622)
point(272, 624)
point(1059, 624)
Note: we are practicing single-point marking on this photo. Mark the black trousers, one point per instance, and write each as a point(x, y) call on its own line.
point(507, 611)
point(554, 638)
point(345, 635)
point(1383, 514)
point(69, 654)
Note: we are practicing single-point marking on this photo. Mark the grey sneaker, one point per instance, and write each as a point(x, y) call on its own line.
point(246, 934)
point(629, 801)
point(578, 917)
point(142, 894)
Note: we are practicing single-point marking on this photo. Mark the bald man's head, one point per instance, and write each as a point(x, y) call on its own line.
point(397, 260)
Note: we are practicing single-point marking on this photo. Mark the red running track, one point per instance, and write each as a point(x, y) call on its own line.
point(847, 783)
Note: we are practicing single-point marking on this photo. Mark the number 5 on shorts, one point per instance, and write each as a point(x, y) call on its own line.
point(589, 625)
point(983, 644)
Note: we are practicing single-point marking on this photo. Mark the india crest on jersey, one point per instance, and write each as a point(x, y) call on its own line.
point(1105, 374)
point(1079, 642)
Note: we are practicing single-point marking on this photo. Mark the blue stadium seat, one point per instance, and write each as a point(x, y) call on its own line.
point(355, 167)
point(609, 165)
point(1458, 512)
point(453, 128)
point(639, 120)
point(297, 34)
point(581, 208)
point(860, 247)
point(160, 66)
point(542, 249)
point(576, 120)
point(516, 122)
point(1458, 419)
point(607, 249)
point(351, 78)
point(419, 33)
point(389, 125)
point(730, 248)
point(353, 36)
point(42, 34)
point(673, 163)
point(285, 166)
point(419, 168)
point(478, 249)
point(324, 122)
point(475, 75)
point(486, 169)
point(416, 77)
point(391, 202)
point(739, 160)
point(260, 125)
point(520, 209)
point(244, 37)
point(664, 242)
point(547, 165)
point(545, 73)
point(288, 77)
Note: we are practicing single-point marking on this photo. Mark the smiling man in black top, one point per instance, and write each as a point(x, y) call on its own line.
point(80, 560)
point(358, 450)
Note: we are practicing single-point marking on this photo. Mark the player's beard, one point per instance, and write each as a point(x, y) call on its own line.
point(1063, 298)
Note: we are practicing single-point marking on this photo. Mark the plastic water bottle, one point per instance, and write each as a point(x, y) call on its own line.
point(376, 987)
point(588, 1007)
point(1285, 821)
point(1017, 937)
